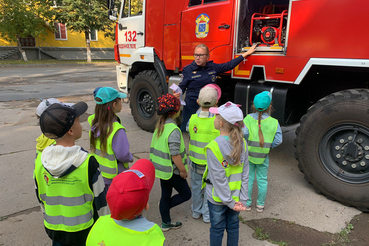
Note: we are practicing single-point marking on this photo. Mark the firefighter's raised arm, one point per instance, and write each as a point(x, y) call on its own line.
point(250, 51)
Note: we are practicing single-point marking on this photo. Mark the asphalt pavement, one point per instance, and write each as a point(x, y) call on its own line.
point(289, 197)
point(21, 223)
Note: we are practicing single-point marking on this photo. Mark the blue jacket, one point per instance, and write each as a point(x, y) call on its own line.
point(195, 77)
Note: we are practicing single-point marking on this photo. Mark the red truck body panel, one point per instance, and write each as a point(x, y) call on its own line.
point(316, 29)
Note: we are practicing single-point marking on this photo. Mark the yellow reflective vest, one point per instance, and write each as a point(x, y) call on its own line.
point(269, 128)
point(202, 132)
point(233, 173)
point(160, 153)
point(68, 200)
point(108, 162)
point(107, 232)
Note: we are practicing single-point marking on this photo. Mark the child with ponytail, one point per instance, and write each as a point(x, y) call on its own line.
point(226, 174)
point(262, 133)
point(168, 154)
point(108, 139)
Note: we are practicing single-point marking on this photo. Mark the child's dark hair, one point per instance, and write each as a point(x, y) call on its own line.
point(103, 123)
point(260, 113)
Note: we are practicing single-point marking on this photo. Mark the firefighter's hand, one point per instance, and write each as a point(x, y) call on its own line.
point(183, 174)
point(249, 52)
point(177, 94)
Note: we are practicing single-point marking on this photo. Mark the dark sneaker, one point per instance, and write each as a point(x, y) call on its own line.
point(171, 225)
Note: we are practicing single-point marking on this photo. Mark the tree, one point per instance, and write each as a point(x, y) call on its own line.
point(83, 16)
point(22, 18)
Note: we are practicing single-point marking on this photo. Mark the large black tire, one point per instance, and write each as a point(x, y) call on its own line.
point(145, 90)
point(332, 147)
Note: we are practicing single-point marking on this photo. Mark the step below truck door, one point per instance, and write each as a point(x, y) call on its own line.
point(211, 23)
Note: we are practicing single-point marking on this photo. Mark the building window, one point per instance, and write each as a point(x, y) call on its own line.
point(61, 31)
point(93, 35)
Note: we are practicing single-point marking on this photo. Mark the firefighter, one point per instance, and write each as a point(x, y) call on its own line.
point(200, 73)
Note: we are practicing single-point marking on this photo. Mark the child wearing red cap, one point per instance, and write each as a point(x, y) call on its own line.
point(168, 154)
point(108, 139)
point(127, 197)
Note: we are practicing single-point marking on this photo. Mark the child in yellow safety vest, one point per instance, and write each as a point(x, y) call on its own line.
point(226, 174)
point(262, 133)
point(108, 139)
point(168, 154)
point(127, 197)
point(68, 181)
point(201, 130)
point(42, 141)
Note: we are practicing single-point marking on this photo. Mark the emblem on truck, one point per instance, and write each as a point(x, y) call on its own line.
point(202, 25)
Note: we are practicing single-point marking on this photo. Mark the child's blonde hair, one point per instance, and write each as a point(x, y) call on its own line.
point(103, 123)
point(260, 113)
point(236, 137)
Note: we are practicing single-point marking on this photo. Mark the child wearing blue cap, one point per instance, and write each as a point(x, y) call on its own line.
point(108, 139)
point(262, 133)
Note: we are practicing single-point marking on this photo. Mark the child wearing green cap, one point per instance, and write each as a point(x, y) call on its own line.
point(262, 133)
point(108, 139)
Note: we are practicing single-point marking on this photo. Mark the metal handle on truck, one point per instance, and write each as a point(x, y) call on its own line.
point(224, 26)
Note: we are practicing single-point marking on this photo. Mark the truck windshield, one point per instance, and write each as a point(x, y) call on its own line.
point(132, 8)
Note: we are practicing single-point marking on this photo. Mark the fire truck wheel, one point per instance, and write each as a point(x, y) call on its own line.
point(145, 90)
point(332, 147)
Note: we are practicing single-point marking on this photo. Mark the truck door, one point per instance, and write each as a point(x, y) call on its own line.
point(131, 34)
point(208, 22)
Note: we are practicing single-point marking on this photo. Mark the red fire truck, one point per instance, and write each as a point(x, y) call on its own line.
point(312, 55)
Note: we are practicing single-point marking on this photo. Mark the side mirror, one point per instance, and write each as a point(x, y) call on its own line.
point(112, 15)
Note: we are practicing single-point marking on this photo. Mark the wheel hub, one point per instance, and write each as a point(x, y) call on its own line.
point(145, 102)
point(344, 151)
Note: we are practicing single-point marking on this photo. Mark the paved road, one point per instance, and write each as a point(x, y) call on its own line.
point(22, 83)
point(289, 197)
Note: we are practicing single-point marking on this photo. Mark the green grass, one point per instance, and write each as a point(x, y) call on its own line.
point(21, 62)
point(281, 243)
point(259, 232)
point(341, 238)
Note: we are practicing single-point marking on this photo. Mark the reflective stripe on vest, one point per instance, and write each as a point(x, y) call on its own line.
point(108, 162)
point(201, 132)
point(269, 127)
point(233, 173)
point(68, 200)
point(160, 153)
point(106, 230)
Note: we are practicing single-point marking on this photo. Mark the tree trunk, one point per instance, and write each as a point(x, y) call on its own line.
point(24, 55)
point(87, 36)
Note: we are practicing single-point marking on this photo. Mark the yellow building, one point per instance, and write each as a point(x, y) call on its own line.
point(62, 44)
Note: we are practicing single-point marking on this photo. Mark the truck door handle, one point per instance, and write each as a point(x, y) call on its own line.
point(140, 33)
point(224, 26)
point(121, 27)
